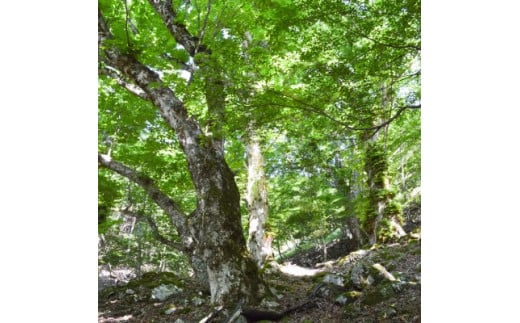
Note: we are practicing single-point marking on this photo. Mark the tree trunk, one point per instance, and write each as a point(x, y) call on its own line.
point(259, 242)
point(375, 167)
point(346, 185)
point(212, 234)
point(218, 233)
point(352, 230)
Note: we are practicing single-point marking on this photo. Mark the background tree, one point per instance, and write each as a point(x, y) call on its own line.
point(356, 69)
point(259, 240)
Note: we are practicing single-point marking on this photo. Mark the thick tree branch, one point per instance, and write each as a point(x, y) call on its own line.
point(397, 114)
point(171, 108)
point(389, 120)
point(191, 43)
point(155, 230)
point(164, 201)
point(103, 31)
point(132, 88)
point(214, 91)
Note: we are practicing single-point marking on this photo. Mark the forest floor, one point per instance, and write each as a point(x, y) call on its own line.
point(363, 299)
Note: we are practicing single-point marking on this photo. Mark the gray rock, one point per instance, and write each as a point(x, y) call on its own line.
point(162, 292)
point(341, 299)
point(334, 279)
point(369, 281)
point(197, 301)
point(389, 312)
point(356, 275)
point(170, 311)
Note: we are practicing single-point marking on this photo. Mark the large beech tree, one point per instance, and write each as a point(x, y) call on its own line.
point(195, 73)
point(211, 234)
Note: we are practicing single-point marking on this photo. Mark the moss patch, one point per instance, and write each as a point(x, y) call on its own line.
point(153, 279)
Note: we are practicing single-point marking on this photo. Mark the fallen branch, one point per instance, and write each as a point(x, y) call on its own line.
point(211, 315)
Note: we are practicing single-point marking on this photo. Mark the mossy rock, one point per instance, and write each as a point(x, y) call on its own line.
point(344, 260)
point(154, 279)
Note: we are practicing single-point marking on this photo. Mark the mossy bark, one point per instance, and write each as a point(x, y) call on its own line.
point(219, 240)
point(381, 203)
point(376, 168)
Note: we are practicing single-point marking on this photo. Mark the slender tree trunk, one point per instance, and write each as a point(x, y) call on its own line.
point(139, 262)
point(352, 219)
point(324, 245)
point(352, 230)
point(259, 242)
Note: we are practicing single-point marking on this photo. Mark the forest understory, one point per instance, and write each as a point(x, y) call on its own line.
point(344, 289)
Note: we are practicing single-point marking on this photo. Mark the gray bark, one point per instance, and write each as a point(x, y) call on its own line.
point(259, 243)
